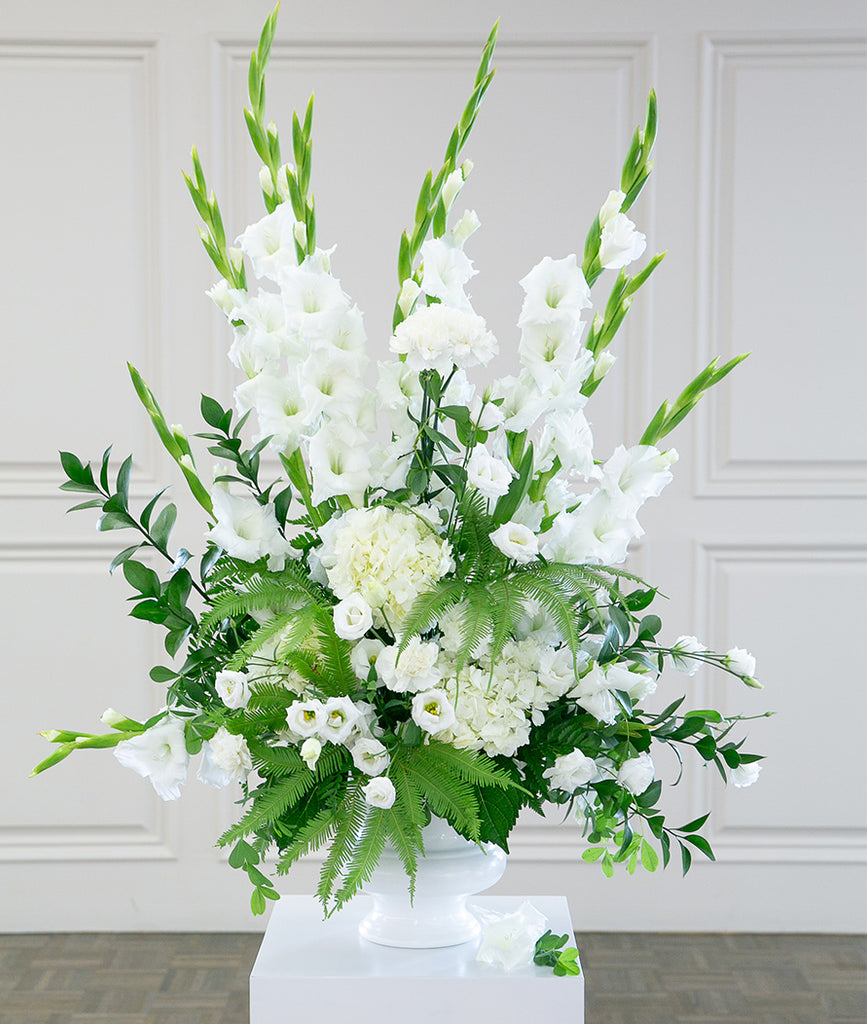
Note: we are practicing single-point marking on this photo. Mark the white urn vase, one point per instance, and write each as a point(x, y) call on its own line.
point(451, 869)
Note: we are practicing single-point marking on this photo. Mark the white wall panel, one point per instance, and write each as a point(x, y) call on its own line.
point(783, 187)
point(80, 279)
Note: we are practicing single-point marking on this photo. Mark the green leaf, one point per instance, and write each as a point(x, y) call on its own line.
point(161, 674)
point(122, 556)
point(649, 856)
point(695, 825)
point(163, 524)
point(151, 611)
point(141, 578)
point(114, 521)
point(123, 475)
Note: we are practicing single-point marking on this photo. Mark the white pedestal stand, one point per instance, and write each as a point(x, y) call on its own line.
point(310, 969)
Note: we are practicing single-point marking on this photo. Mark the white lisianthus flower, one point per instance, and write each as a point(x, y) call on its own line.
point(353, 617)
point(433, 711)
point(269, 244)
point(745, 774)
point(233, 688)
point(488, 475)
point(571, 771)
point(247, 530)
point(339, 715)
point(229, 755)
point(413, 670)
point(611, 207)
point(632, 475)
point(369, 756)
point(741, 662)
point(446, 269)
point(364, 655)
point(310, 750)
point(509, 940)
point(439, 336)
point(305, 717)
point(620, 243)
point(594, 695)
point(379, 792)
point(485, 415)
point(557, 666)
point(554, 290)
point(683, 647)
point(516, 541)
point(159, 754)
point(636, 774)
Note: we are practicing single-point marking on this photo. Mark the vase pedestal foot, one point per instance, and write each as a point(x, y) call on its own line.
point(306, 963)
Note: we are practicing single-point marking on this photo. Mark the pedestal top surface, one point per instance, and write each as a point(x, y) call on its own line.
point(300, 944)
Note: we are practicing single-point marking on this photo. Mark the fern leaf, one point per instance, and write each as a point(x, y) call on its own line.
point(548, 594)
point(427, 607)
point(308, 838)
point(269, 802)
point(445, 793)
point(365, 856)
point(470, 765)
point(408, 797)
point(350, 820)
point(407, 841)
point(477, 622)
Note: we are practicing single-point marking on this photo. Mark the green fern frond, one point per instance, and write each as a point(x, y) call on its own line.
point(507, 607)
point(269, 803)
point(365, 856)
point(407, 841)
point(349, 817)
point(258, 594)
point(444, 792)
point(547, 593)
point(472, 766)
point(257, 640)
point(308, 838)
point(427, 607)
point(477, 621)
point(408, 797)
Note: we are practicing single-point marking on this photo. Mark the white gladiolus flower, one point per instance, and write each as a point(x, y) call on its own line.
point(379, 792)
point(568, 436)
point(741, 662)
point(261, 341)
point(269, 244)
point(331, 383)
point(636, 774)
point(633, 475)
point(364, 655)
point(313, 300)
point(466, 226)
point(224, 297)
point(546, 348)
point(279, 407)
point(509, 940)
point(611, 207)
point(305, 717)
point(432, 711)
point(620, 243)
point(684, 646)
point(247, 530)
point(409, 292)
point(159, 754)
point(594, 532)
point(310, 750)
point(745, 774)
point(555, 290)
point(523, 402)
point(339, 716)
point(111, 718)
point(516, 541)
point(451, 187)
point(353, 617)
point(488, 475)
point(413, 670)
point(369, 756)
point(340, 461)
point(447, 269)
point(233, 688)
point(571, 771)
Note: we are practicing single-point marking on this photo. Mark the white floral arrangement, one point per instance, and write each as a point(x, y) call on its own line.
point(423, 611)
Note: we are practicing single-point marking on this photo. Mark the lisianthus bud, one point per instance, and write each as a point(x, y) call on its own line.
point(311, 748)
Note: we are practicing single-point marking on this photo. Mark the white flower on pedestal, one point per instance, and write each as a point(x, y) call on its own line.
point(159, 754)
point(509, 940)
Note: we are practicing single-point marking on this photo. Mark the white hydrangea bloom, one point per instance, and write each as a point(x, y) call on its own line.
point(386, 555)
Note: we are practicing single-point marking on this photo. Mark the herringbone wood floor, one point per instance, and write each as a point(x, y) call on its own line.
point(631, 979)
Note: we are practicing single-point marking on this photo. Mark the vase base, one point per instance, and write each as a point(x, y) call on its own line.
point(419, 931)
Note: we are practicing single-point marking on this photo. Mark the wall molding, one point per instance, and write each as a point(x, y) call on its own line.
point(719, 473)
